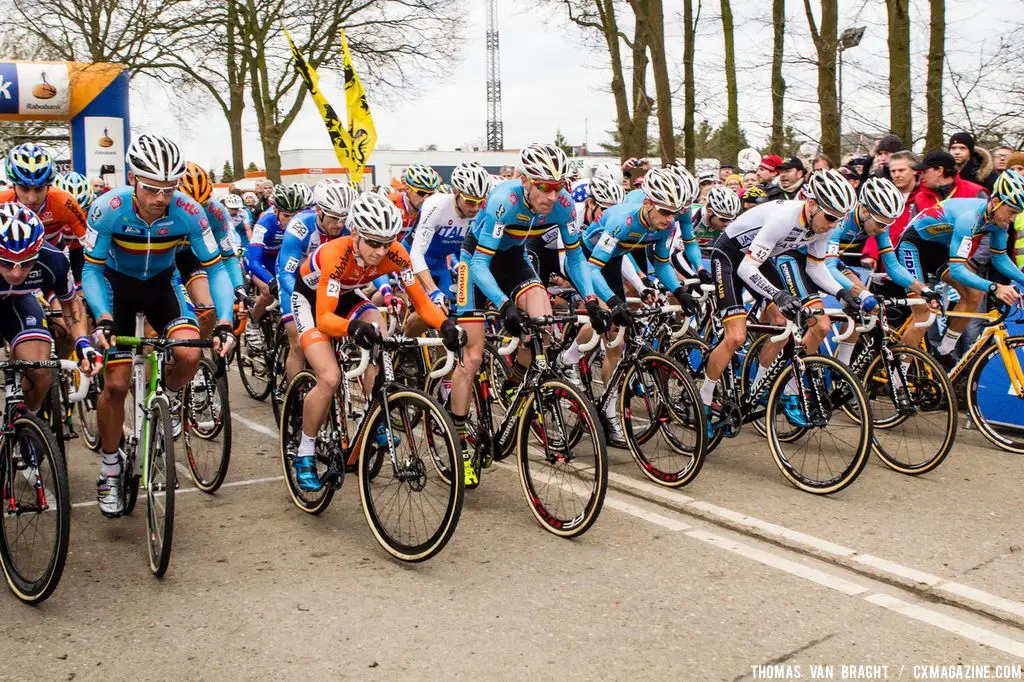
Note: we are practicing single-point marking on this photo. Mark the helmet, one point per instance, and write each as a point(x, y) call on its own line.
point(418, 176)
point(605, 191)
point(754, 194)
point(723, 202)
point(155, 157)
point(334, 198)
point(290, 198)
point(663, 188)
point(246, 196)
point(21, 232)
point(77, 185)
point(196, 183)
point(608, 170)
point(233, 201)
point(691, 188)
point(30, 165)
point(882, 198)
point(375, 216)
point(382, 190)
point(832, 192)
point(540, 161)
point(471, 180)
point(1009, 189)
point(444, 188)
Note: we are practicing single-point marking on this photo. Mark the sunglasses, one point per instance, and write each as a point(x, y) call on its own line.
point(424, 192)
point(23, 264)
point(374, 244)
point(473, 201)
point(880, 222)
point(159, 191)
point(665, 211)
point(829, 218)
point(548, 186)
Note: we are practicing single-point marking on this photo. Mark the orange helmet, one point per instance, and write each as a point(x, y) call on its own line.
point(196, 183)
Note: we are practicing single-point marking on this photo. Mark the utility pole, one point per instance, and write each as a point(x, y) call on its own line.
point(495, 134)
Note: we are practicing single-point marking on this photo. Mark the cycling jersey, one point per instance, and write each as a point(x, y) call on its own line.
point(120, 241)
point(51, 273)
point(505, 223)
point(302, 237)
point(620, 230)
point(945, 234)
point(239, 222)
point(438, 236)
point(63, 219)
point(220, 223)
point(261, 254)
point(409, 214)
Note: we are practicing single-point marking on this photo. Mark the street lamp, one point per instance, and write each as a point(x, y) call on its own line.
point(850, 37)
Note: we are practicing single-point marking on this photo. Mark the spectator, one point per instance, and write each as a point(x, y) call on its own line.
point(99, 186)
point(735, 183)
point(940, 181)
point(850, 176)
point(724, 171)
point(766, 172)
point(791, 179)
point(901, 166)
point(752, 196)
point(1016, 162)
point(252, 204)
point(707, 181)
point(264, 189)
point(750, 179)
point(1000, 156)
point(822, 162)
point(973, 163)
point(861, 165)
point(886, 147)
point(507, 172)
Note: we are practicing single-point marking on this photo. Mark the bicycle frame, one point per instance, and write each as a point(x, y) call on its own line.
point(997, 332)
point(150, 388)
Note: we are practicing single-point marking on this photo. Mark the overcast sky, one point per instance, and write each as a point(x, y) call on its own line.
point(552, 80)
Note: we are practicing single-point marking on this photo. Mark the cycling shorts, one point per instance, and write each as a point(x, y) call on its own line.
point(547, 262)
point(77, 259)
point(162, 299)
point(188, 265)
point(792, 267)
point(512, 273)
point(922, 257)
point(351, 304)
point(728, 283)
point(22, 319)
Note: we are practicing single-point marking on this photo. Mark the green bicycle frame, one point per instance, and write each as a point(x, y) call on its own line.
point(153, 359)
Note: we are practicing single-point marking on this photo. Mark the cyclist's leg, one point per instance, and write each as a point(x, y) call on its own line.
point(295, 361)
point(729, 294)
point(172, 313)
point(263, 299)
point(198, 288)
point(21, 320)
point(319, 353)
point(970, 300)
point(793, 269)
point(919, 258)
point(470, 319)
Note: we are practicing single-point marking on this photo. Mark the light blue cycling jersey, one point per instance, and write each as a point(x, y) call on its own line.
point(634, 196)
point(117, 238)
point(620, 230)
point(220, 222)
point(506, 222)
point(302, 237)
point(261, 254)
point(953, 223)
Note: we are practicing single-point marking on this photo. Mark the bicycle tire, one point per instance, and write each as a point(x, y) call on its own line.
point(575, 525)
point(54, 403)
point(988, 376)
point(927, 401)
point(160, 485)
point(290, 433)
point(86, 409)
point(747, 374)
point(474, 429)
point(844, 386)
point(278, 373)
point(246, 362)
point(690, 353)
point(208, 478)
point(34, 589)
point(685, 409)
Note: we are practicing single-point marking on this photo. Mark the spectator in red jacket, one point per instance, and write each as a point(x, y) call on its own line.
point(940, 181)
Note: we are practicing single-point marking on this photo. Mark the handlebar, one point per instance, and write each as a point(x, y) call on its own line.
point(834, 313)
point(83, 381)
point(364, 356)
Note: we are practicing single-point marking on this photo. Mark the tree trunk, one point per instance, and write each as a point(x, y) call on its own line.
point(271, 136)
point(732, 118)
point(236, 90)
point(778, 138)
point(825, 42)
point(666, 133)
point(689, 87)
point(899, 70)
point(636, 144)
point(933, 87)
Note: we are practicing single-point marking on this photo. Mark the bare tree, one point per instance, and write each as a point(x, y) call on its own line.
point(652, 13)
point(933, 87)
point(825, 38)
point(731, 129)
point(778, 82)
point(689, 87)
point(900, 120)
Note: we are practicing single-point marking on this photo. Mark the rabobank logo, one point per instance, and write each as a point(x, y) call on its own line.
point(8, 88)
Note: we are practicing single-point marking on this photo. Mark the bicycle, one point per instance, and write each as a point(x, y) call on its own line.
point(34, 484)
point(206, 419)
point(149, 443)
point(255, 363)
point(394, 490)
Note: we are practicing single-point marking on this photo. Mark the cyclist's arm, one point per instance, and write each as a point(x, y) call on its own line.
point(254, 254)
point(835, 264)
point(690, 246)
point(328, 291)
point(289, 258)
point(96, 247)
point(661, 257)
point(759, 251)
point(204, 246)
point(575, 262)
point(997, 241)
point(960, 244)
point(227, 250)
point(604, 251)
point(421, 302)
point(489, 235)
point(818, 271)
point(631, 273)
point(420, 243)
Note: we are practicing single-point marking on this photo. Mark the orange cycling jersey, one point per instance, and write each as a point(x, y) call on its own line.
point(409, 214)
point(61, 216)
point(341, 270)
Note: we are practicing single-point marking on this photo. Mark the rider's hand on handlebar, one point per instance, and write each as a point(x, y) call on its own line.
point(787, 304)
point(1007, 293)
point(89, 361)
point(620, 311)
point(223, 339)
point(599, 318)
point(103, 333)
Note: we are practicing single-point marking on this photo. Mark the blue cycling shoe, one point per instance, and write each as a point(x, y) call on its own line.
point(794, 411)
point(381, 438)
point(305, 474)
point(707, 418)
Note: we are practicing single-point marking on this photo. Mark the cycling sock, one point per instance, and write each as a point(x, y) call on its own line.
point(897, 381)
point(948, 342)
point(761, 371)
point(307, 446)
point(707, 390)
point(111, 464)
point(460, 425)
point(571, 355)
point(845, 352)
point(611, 409)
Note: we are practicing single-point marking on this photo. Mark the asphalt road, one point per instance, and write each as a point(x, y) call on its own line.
point(737, 576)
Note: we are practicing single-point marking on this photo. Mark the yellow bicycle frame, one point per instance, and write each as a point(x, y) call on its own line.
point(999, 334)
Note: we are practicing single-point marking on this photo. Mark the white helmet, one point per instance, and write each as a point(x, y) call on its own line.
point(691, 188)
point(291, 198)
point(662, 186)
point(605, 191)
point(497, 180)
point(832, 192)
point(608, 170)
point(470, 179)
point(382, 190)
point(544, 162)
point(155, 157)
point(882, 198)
point(375, 216)
point(334, 197)
point(723, 202)
point(232, 201)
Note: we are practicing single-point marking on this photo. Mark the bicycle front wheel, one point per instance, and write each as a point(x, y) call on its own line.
point(159, 474)
point(86, 409)
point(832, 448)
point(36, 510)
point(254, 369)
point(207, 432)
point(564, 481)
point(991, 399)
point(278, 375)
point(311, 502)
point(411, 506)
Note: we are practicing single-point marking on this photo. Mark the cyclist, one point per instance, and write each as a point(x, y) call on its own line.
point(493, 266)
point(328, 302)
point(443, 225)
point(939, 240)
point(129, 268)
point(79, 187)
point(332, 202)
point(28, 265)
point(238, 217)
point(420, 182)
point(743, 258)
point(261, 254)
point(195, 184)
point(699, 228)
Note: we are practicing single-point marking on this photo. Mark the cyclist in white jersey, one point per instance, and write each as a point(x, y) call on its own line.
point(742, 258)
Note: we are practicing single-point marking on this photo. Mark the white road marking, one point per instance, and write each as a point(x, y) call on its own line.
point(258, 428)
point(182, 491)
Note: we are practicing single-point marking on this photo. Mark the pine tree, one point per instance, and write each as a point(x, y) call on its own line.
point(228, 174)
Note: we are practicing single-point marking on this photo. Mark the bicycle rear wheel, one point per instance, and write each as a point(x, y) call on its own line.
point(278, 376)
point(207, 433)
point(254, 369)
point(291, 435)
point(992, 401)
point(34, 532)
point(832, 449)
point(160, 480)
point(412, 508)
point(564, 486)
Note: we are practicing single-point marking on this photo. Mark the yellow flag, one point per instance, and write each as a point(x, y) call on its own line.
point(340, 136)
point(362, 132)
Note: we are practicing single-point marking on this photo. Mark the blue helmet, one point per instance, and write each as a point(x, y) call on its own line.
point(29, 165)
point(21, 232)
point(77, 185)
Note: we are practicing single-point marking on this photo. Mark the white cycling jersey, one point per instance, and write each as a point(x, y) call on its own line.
point(439, 233)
